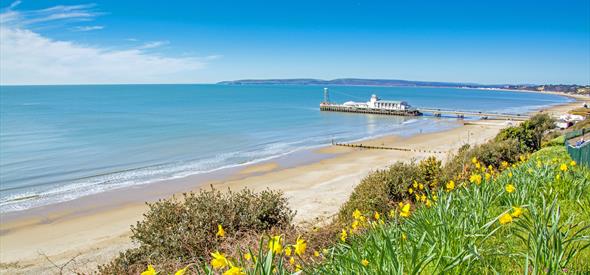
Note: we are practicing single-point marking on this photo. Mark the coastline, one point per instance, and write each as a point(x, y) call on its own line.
point(321, 179)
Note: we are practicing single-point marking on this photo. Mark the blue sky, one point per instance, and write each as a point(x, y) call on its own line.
point(72, 42)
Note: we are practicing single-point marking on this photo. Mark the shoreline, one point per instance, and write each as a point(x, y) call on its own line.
point(97, 230)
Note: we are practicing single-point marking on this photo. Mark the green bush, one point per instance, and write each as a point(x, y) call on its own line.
point(185, 230)
point(528, 134)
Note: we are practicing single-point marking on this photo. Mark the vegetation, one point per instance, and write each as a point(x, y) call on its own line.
point(506, 206)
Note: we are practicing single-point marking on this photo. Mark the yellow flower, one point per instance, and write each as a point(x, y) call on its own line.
point(563, 167)
point(558, 176)
point(219, 260)
point(450, 186)
point(434, 197)
point(423, 198)
point(234, 270)
point(298, 268)
point(356, 214)
point(504, 164)
point(149, 271)
point(572, 163)
point(355, 225)
point(391, 213)
point(405, 211)
point(539, 164)
point(474, 160)
point(510, 174)
point(248, 256)
point(410, 190)
point(404, 237)
point(288, 251)
point(400, 204)
point(477, 165)
point(488, 176)
point(475, 178)
point(220, 231)
point(415, 185)
point(343, 235)
point(506, 218)
point(377, 216)
point(510, 188)
point(182, 271)
point(316, 253)
point(274, 244)
point(491, 168)
point(428, 203)
point(365, 262)
point(292, 261)
point(300, 246)
point(522, 158)
point(421, 186)
point(517, 212)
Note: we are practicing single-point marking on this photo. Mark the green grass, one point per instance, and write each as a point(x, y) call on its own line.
point(461, 233)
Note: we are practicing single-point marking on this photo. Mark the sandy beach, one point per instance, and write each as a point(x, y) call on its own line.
point(92, 235)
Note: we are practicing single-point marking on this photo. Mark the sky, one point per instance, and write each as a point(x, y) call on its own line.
point(115, 42)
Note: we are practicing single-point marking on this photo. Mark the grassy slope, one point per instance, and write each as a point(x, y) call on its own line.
point(461, 232)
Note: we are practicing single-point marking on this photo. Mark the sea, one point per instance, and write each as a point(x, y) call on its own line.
point(59, 143)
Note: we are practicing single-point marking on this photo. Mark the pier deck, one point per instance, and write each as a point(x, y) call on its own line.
point(461, 114)
point(346, 109)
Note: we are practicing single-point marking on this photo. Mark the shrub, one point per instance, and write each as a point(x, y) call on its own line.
point(185, 230)
point(528, 134)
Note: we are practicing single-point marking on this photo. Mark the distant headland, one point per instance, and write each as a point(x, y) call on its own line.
point(564, 88)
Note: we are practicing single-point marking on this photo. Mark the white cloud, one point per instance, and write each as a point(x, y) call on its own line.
point(87, 28)
point(29, 57)
point(154, 44)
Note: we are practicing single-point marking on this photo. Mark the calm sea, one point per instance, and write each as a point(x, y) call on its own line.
point(58, 143)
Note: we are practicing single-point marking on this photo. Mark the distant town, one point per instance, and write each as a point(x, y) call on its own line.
point(564, 88)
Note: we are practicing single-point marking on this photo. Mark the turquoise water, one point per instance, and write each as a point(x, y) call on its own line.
point(58, 143)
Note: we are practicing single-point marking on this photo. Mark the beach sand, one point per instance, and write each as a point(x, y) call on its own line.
point(315, 190)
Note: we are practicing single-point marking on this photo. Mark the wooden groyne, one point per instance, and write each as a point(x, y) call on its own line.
point(347, 109)
point(387, 148)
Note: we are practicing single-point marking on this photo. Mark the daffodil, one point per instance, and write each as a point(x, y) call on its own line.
point(563, 167)
point(573, 163)
point(421, 186)
point(405, 211)
point(218, 260)
point(365, 262)
point(488, 176)
point(316, 253)
point(298, 268)
point(558, 176)
point(415, 185)
point(377, 215)
point(410, 190)
point(274, 244)
point(517, 212)
point(475, 178)
point(343, 235)
point(300, 246)
point(292, 261)
point(504, 164)
point(450, 186)
point(220, 231)
point(288, 251)
point(356, 214)
point(404, 237)
point(234, 270)
point(505, 219)
point(510, 188)
point(474, 160)
point(510, 174)
point(182, 271)
point(248, 256)
point(149, 271)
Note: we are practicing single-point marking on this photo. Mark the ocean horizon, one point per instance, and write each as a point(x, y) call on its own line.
point(59, 143)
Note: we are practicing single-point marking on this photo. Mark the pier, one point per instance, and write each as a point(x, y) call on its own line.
point(463, 114)
point(401, 108)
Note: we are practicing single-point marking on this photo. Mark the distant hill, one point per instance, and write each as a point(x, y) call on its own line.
point(563, 88)
point(353, 82)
